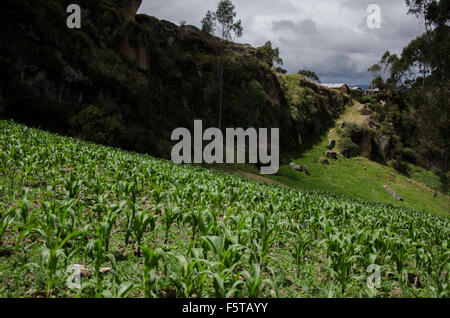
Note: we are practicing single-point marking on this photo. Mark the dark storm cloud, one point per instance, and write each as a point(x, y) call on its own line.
point(330, 37)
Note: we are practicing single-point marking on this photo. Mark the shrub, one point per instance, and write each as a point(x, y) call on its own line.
point(353, 132)
point(410, 155)
point(348, 148)
point(93, 125)
point(367, 100)
point(399, 166)
point(357, 94)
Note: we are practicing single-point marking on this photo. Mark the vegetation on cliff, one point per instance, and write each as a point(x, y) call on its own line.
point(129, 81)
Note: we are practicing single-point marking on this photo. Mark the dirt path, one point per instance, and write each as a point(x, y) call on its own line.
point(351, 114)
point(256, 177)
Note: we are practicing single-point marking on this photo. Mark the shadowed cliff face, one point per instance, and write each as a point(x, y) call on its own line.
point(127, 80)
point(130, 7)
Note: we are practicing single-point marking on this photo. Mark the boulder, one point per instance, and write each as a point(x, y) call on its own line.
point(284, 161)
point(296, 167)
point(300, 140)
point(331, 155)
point(392, 192)
point(365, 110)
point(385, 143)
point(373, 124)
point(324, 161)
point(331, 144)
point(306, 171)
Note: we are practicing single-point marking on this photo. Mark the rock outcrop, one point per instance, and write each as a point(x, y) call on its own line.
point(313, 108)
point(331, 155)
point(331, 144)
point(130, 8)
point(392, 192)
point(129, 80)
point(296, 167)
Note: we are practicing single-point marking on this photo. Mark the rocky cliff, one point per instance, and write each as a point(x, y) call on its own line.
point(128, 80)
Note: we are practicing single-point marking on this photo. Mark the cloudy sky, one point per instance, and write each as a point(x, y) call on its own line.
point(330, 37)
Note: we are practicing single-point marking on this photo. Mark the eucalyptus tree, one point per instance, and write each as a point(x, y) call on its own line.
point(222, 22)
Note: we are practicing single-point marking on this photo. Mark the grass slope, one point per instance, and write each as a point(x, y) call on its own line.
point(358, 177)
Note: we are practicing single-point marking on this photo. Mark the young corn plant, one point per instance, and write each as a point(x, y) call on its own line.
point(99, 184)
point(239, 224)
point(201, 267)
point(95, 249)
point(105, 227)
point(219, 213)
point(201, 221)
point(225, 282)
point(266, 235)
point(300, 247)
point(254, 281)
point(169, 217)
point(343, 256)
point(5, 221)
point(23, 214)
point(185, 280)
point(152, 258)
point(117, 288)
point(137, 224)
point(441, 272)
point(50, 254)
point(400, 255)
point(224, 249)
point(158, 195)
point(59, 219)
point(73, 185)
point(49, 261)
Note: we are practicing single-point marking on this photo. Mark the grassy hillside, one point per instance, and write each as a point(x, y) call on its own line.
point(358, 177)
point(142, 227)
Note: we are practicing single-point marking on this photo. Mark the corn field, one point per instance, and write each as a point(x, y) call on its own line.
point(134, 226)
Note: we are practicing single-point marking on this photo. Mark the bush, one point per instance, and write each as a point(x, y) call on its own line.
point(92, 124)
point(348, 148)
point(399, 166)
point(353, 132)
point(410, 155)
point(436, 171)
point(357, 94)
point(367, 100)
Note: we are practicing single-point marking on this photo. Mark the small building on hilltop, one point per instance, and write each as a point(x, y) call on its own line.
point(342, 88)
point(372, 91)
point(356, 89)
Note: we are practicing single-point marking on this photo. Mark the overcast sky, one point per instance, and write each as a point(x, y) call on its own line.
point(330, 37)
